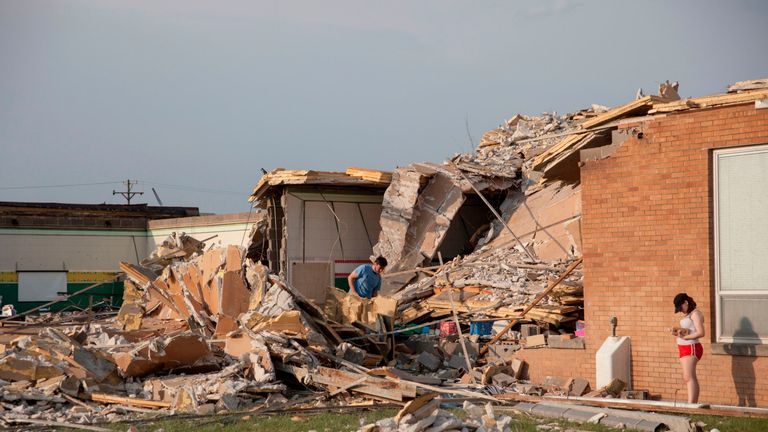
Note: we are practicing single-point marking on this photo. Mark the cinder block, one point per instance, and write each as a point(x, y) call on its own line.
point(579, 387)
point(418, 346)
point(518, 366)
point(536, 341)
point(466, 378)
point(458, 362)
point(502, 352)
point(527, 330)
point(454, 348)
point(575, 343)
point(503, 380)
point(430, 361)
point(634, 394)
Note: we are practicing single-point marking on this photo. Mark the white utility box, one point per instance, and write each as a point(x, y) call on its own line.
point(613, 360)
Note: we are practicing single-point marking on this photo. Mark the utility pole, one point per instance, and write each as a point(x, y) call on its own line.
point(128, 194)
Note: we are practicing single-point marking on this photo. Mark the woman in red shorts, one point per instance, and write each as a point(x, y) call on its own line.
point(688, 334)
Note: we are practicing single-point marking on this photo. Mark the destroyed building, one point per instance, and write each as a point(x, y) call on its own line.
point(511, 267)
point(660, 197)
point(319, 225)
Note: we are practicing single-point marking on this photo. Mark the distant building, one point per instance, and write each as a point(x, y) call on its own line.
point(51, 249)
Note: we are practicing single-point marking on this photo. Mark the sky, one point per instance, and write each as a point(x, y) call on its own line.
point(193, 98)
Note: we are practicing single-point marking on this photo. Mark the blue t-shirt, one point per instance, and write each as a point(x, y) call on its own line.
point(368, 281)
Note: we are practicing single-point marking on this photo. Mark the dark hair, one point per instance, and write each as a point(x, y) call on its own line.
point(381, 261)
point(680, 299)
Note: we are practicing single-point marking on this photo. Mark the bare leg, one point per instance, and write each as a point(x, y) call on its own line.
point(689, 376)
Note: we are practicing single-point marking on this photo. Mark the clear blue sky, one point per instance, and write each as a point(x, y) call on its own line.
point(202, 94)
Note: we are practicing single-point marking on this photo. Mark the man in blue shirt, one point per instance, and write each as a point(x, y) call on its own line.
point(365, 280)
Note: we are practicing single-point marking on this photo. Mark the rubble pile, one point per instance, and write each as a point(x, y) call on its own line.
point(208, 334)
point(524, 137)
point(211, 331)
point(493, 283)
point(424, 413)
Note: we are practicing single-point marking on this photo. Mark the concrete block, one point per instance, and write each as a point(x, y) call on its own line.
point(476, 374)
point(503, 380)
point(447, 374)
point(634, 394)
point(454, 348)
point(518, 366)
point(458, 362)
point(527, 330)
point(503, 352)
point(418, 346)
point(430, 361)
point(558, 342)
point(579, 387)
point(536, 341)
point(556, 381)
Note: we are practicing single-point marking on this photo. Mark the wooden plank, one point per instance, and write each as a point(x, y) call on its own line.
point(234, 294)
point(748, 85)
point(175, 302)
point(371, 386)
point(387, 371)
point(56, 424)
point(639, 105)
point(347, 386)
point(710, 101)
point(312, 279)
point(370, 175)
point(446, 390)
point(556, 149)
point(143, 403)
point(139, 274)
point(234, 259)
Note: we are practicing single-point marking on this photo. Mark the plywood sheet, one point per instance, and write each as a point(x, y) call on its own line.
point(312, 279)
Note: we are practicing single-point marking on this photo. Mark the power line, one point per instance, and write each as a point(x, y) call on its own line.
point(57, 186)
point(165, 185)
point(129, 193)
point(192, 188)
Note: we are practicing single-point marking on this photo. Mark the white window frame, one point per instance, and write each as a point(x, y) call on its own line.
point(720, 295)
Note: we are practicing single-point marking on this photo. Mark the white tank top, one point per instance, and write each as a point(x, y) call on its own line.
point(687, 323)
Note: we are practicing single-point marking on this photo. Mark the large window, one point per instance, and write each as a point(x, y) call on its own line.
point(741, 243)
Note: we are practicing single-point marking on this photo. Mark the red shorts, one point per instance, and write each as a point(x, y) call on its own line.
point(688, 350)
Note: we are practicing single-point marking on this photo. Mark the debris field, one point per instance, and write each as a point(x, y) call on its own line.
point(206, 331)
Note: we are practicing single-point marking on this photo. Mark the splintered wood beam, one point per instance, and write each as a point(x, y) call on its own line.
point(347, 387)
point(59, 424)
point(371, 385)
point(535, 301)
point(143, 403)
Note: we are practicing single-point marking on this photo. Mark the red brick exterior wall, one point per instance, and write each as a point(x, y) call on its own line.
point(566, 363)
point(648, 234)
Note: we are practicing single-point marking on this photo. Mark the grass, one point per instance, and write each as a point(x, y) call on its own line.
point(727, 424)
point(301, 422)
point(350, 421)
point(323, 422)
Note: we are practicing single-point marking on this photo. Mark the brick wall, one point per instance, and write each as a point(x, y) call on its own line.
point(566, 363)
point(647, 235)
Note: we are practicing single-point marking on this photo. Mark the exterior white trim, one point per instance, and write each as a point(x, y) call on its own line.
point(719, 296)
